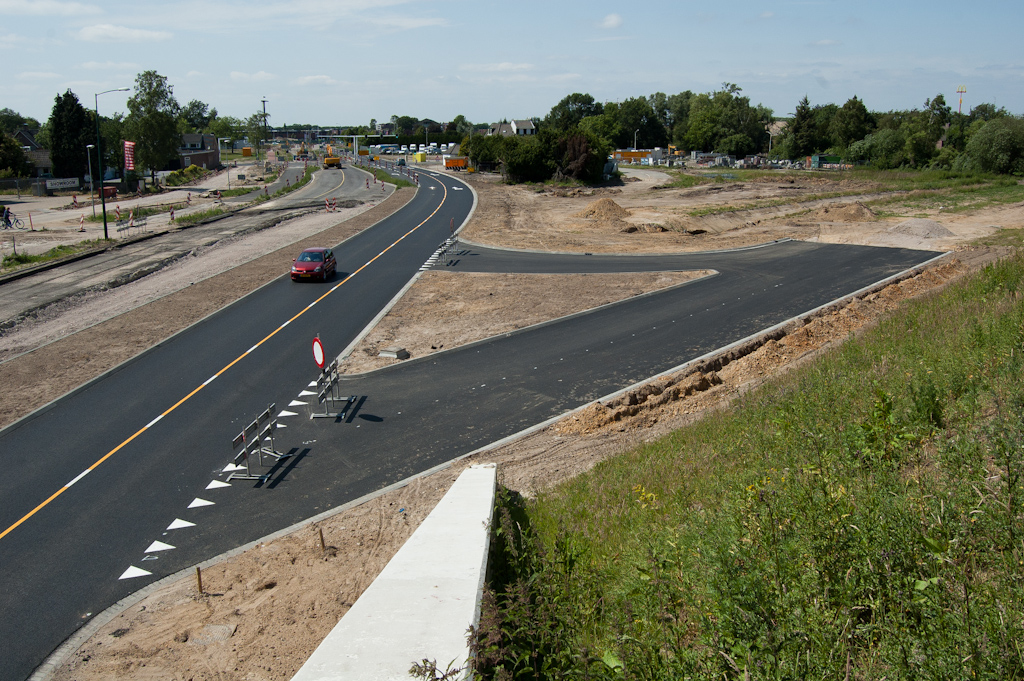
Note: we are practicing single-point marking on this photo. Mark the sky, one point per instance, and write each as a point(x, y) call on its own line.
point(347, 62)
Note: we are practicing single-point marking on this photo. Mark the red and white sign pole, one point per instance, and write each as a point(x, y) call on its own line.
point(318, 352)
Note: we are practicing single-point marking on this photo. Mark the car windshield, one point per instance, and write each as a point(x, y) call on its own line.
point(311, 257)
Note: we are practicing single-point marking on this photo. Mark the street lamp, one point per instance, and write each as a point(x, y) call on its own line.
point(99, 154)
point(634, 138)
point(92, 180)
point(227, 139)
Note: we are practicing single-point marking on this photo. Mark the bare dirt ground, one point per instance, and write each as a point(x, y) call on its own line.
point(263, 611)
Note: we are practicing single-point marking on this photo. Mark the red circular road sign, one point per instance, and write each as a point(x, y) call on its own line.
point(318, 352)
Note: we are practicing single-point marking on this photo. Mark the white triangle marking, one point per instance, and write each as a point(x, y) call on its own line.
point(179, 524)
point(197, 502)
point(312, 384)
point(159, 546)
point(296, 403)
point(232, 467)
point(217, 484)
point(286, 413)
point(133, 571)
point(306, 393)
point(281, 425)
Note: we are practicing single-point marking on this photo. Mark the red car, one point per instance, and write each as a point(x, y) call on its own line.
point(314, 263)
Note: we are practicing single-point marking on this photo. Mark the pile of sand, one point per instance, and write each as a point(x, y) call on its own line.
point(603, 209)
point(921, 228)
point(845, 212)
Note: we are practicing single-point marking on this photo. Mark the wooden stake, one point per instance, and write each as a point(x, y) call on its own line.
point(323, 546)
point(199, 579)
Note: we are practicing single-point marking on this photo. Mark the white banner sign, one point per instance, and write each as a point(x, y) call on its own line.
point(62, 183)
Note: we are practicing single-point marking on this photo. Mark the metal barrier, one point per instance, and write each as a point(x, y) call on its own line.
point(249, 443)
point(326, 387)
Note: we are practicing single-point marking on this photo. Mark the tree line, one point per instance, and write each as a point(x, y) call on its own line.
point(724, 121)
point(576, 136)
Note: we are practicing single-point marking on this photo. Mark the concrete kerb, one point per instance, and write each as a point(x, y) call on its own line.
point(422, 603)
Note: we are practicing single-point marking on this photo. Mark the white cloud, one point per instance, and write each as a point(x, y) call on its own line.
point(503, 67)
point(611, 21)
point(38, 75)
point(316, 80)
point(47, 8)
point(258, 77)
point(109, 66)
point(108, 33)
point(767, 15)
point(11, 40)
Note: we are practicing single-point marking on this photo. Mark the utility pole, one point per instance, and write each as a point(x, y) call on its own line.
point(961, 90)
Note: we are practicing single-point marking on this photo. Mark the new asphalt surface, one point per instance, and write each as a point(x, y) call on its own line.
point(62, 564)
point(66, 562)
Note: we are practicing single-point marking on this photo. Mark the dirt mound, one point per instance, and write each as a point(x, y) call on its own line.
point(603, 209)
point(921, 228)
point(845, 212)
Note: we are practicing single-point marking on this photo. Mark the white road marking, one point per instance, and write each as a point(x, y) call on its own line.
point(287, 413)
point(180, 524)
point(159, 546)
point(296, 403)
point(79, 477)
point(217, 484)
point(133, 571)
point(197, 502)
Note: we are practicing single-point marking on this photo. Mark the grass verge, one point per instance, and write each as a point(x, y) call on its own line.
point(861, 517)
point(13, 261)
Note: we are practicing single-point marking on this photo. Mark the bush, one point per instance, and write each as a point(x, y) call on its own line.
point(998, 147)
point(186, 175)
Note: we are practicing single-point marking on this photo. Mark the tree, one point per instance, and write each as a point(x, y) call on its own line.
point(255, 129)
point(11, 121)
point(152, 121)
point(197, 116)
point(679, 115)
point(461, 125)
point(567, 114)
point(725, 122)
point(997, 147)
point(851, 123)
point(13, 161)
point(577, 155)
point(801, 133)
point(227, 127)
point(70, 131)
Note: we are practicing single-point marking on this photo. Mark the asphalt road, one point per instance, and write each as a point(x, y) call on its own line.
point(62, 564)
point(65, 562)
point(137, 258)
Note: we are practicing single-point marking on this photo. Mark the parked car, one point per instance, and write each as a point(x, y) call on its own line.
point(314, 263)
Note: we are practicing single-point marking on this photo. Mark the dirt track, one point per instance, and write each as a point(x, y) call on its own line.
point(264, 611)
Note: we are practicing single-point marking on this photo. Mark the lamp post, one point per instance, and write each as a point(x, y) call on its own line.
point(634, 138)
point(227, 139)
point(92, 180)
point(99, 154)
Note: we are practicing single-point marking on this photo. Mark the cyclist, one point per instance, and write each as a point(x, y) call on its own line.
point(7, 217)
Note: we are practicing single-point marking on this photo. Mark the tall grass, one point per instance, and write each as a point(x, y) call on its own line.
point(860, 518)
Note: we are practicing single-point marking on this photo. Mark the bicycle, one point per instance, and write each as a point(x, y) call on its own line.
point(14, 223)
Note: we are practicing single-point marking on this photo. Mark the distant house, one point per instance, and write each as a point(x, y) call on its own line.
point(520, 128)
point(524, 127)
point(386, 128)
point(199, 150)
point(39, 157)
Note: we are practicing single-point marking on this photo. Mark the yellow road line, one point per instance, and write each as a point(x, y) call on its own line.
point(187, 397)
